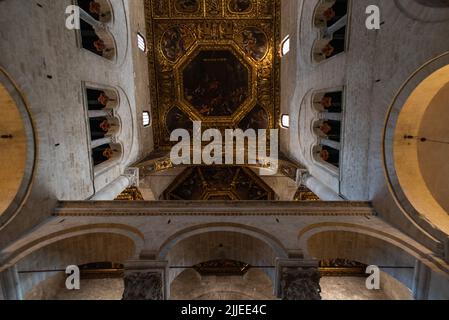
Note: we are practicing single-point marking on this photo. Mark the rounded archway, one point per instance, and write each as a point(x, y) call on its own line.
point(253, 285)
point(17, 148)
point(347, 247)
point(216, 252)
point(99, 256)
point(416, 144)
point(429, 11)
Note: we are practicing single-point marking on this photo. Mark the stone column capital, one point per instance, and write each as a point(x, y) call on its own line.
point(146, 280)
point(133, 175)
point(301, 176)
point(297, 279)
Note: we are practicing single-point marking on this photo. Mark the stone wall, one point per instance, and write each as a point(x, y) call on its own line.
point(50, 68)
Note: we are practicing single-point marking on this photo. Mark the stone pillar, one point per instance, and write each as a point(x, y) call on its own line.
point(329, 33)
point(112, 190)
point(129, 178)
point(88, 18)
point(297, 279)
point(421, 281)
point(330, 143)
point(322, 191)
point(10, 285)
point(146, 280)
point(2, 295)
point(331, 116)
point(100, 114)
point(101, 142)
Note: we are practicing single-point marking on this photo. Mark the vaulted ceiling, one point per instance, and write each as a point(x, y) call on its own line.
point(218, 183)
point(214, 61)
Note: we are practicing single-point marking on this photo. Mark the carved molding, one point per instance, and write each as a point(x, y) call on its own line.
point(213, 208)
point(202, 24)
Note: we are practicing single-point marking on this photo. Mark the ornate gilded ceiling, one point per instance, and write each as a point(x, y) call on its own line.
point(214, 61)
point(218, 183)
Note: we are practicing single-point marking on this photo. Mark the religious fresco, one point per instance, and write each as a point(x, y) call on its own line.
point(177, 119)
point(218, 183)
point(240, 6)
point(222, 86)
point(258, 118)
point(213, 61)
point(187, 6)
point(176, 41)
point(254, 42)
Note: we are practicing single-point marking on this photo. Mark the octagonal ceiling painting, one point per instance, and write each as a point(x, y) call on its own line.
point(215, 83)
point(214, 61)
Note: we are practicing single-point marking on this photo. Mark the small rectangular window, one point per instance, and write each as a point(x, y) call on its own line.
point(141, 43)
point(285, 121)
point(146, 119)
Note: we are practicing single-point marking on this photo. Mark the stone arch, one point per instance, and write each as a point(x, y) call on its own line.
point(407, 136)
point(397, 254)
point(18, 149)
point(427, 11)
point(44, 268)
point(254, 285)
point(32, 245)
point(215, 242)
point(268, 239)
point(363, 247)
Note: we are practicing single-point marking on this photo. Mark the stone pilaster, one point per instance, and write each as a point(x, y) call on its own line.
point(146, 280)
point(421, 281)
point(10, 288)
point(297, 279)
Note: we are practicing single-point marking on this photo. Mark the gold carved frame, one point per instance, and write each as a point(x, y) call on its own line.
point(212, 26)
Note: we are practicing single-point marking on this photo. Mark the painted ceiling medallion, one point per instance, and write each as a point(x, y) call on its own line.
point(240, 6)
point(176, 41)
point(187, 6)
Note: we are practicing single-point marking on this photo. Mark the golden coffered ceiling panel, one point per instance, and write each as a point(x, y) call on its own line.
point(214, 61)
point(218, 183)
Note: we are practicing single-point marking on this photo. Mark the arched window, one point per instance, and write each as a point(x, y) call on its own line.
point(331, 17)
point(329, 126)
point(97, 40)
point(328, 102)
point(101, 99)
point(94, 33)
point(329, 129)
point(104, 126)
point(106, 154)
point(100, 10)
point(328, 155)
